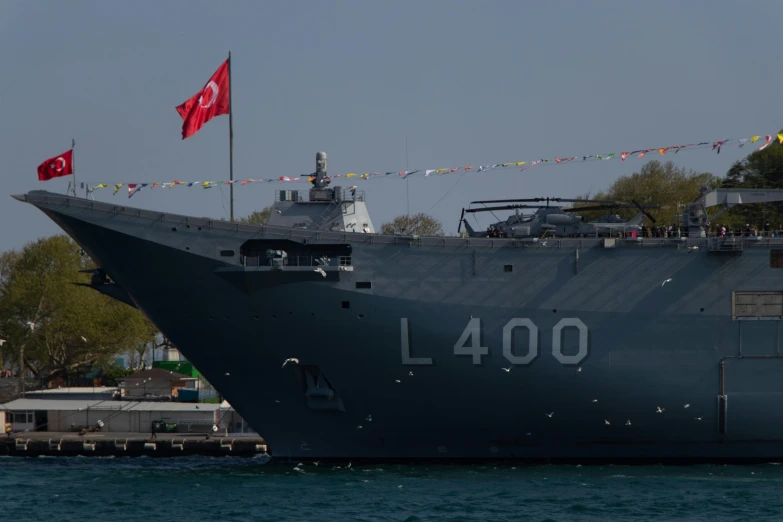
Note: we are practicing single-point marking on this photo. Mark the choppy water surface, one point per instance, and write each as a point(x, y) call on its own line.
point(145, 489)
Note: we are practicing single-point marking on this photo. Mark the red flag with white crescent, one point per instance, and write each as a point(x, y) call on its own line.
point(213, 100)
point(56, 167)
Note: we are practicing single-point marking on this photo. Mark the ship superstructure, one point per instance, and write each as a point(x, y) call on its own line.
point(583, 348)
point(326, 208)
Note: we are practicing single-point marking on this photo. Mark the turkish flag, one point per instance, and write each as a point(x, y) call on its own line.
point(56, 167)
point(212, 100)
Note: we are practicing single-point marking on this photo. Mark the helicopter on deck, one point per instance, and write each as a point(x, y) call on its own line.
point(555, 220)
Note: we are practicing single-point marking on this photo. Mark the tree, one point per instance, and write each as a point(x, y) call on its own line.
point(257, 217)
point(657, 184)
point(111, 376)
point(56, 328)
point(759, 169)
point(420, 224)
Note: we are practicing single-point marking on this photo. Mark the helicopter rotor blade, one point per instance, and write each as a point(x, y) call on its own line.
point(545, 200)
point(641, 208)
point(504, 207)
point(596, 207)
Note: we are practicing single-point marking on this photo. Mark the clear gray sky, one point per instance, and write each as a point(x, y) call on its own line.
point(467, 82)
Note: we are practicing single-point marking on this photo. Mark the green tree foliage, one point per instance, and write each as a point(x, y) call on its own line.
point(420, 224)
point(658, 184)
point(112, 375)
point(257, 217)
point(58, 328)
point(759, 169)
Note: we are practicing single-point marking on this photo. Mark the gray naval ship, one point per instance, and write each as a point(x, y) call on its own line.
point(583, 348)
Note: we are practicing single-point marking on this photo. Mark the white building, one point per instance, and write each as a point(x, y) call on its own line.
point(120, 416)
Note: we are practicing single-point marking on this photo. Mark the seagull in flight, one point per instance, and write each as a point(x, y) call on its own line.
point(687, 406)
point(607, 422)
point(290, 359)
point(359, 427)
point(32, 325)
point(369, 418)
point(697, 418)
point(506, 369)
point(397, 380)
point(320, 271)
point(410, 374)
point(228, 374)
point(595, 400)
point(666, 281)
point(84, 338)
point(660, 410)
point(628, 422)
point(550, 414)
point(2, 342)
point(579, 369)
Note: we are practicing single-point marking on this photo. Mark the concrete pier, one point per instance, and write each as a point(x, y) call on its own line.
point(96, 444)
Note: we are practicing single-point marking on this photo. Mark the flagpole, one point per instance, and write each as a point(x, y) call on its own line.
point(73, 164)
point(230, 141)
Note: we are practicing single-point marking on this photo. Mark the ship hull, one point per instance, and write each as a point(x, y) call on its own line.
point(463, 349)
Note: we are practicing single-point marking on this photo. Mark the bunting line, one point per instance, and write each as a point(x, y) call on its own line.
point(716, 146)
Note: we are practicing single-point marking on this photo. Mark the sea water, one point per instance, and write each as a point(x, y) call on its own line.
point(245, 489)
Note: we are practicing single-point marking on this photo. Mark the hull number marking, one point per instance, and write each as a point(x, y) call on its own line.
point(471, 342)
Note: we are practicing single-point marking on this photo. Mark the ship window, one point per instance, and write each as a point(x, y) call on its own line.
point(508, 268)
point(363, 284)
point(776, 258)
point(274, 252)
point(346, 304)
point(227, 253)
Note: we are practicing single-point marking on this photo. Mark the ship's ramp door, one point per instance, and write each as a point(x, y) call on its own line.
point(750, 400)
